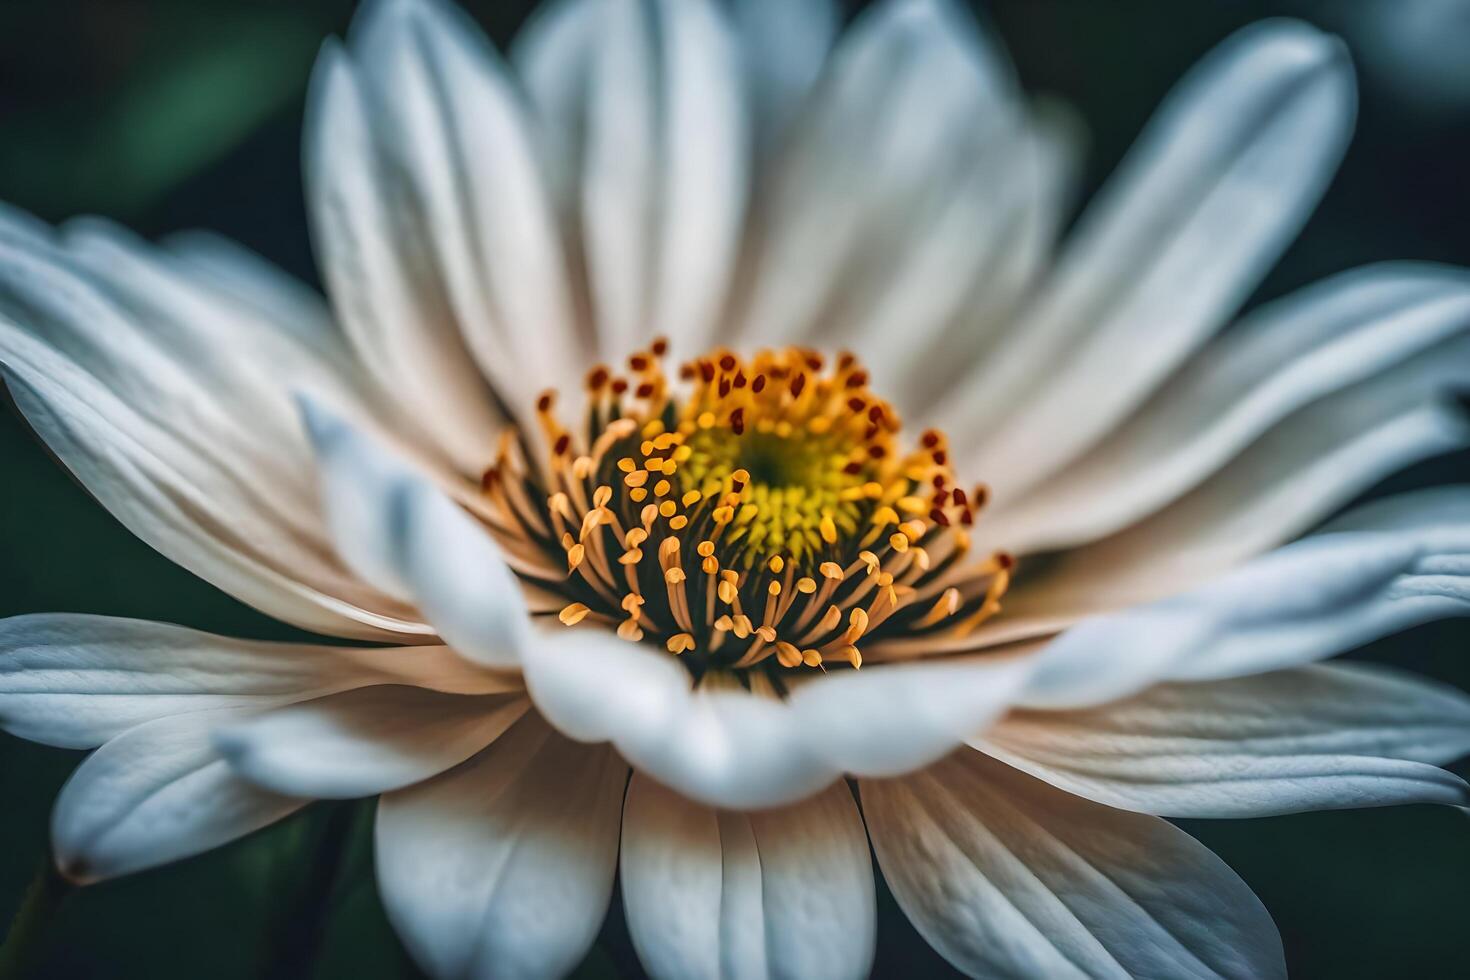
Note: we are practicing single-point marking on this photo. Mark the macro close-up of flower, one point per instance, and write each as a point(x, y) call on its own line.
point(733, 472)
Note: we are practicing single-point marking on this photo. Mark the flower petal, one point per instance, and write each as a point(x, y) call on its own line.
point(402, 534)
point(154, 794)
point(504, 865)
point(712, 894)
point(170, 403)
point(1289, 481)
point(1326, 736)
point(1006, 876)
point(1221, 180)
point(374, 245)
point(912, 131)
point(450, 123)
point(1288, 354)
point(76, 681)
point(365, 741)
point(1309, 600)
point(666, 172)
point(783, 47)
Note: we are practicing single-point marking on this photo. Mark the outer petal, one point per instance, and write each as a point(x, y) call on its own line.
point(364, 742)
point(1006, 876)
point(142, 381)
point(1220, 182)
point(402, 534)
point(504, 866)
point(1327, 736)
point(76, 681)
point(1307, 601)
point(783, 46)
point(778, 893)
point(155, 794)
point(1287, 355)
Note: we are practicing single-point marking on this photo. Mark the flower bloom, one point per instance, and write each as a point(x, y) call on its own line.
point(705, 416)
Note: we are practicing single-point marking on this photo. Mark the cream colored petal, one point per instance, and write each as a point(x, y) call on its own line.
point(503, 866)
point(714, 894)
point(154, 794)
point(76, 681)
point(1326, 736)
point(1220, 181)
point(1006, 876)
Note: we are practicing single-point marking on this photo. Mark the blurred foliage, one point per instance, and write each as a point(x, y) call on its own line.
point(168, 114)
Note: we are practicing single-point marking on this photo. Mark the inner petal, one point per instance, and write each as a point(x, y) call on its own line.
point(755, 515)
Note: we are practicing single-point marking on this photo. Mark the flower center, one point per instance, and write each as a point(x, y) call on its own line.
point(758, 513)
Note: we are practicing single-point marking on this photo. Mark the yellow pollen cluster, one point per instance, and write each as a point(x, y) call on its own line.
point(757, 511)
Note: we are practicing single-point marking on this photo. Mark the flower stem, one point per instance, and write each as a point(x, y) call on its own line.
point(31, 927)
point(304, 919)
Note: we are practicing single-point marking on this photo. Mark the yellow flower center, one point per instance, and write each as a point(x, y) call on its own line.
point(757, 512)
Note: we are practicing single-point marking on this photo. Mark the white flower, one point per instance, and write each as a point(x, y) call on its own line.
point(731, 178)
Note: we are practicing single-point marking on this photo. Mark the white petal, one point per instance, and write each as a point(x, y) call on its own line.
point(732, 748)
point(155, 794)
point(666, 171)
point(704, 170)
point(402, 534)
point(450, 123)
point(235, 272)
point(1280, 359)
point(775, 893)
point(375, 250)
point(76, 681)
point(725, 747)
point(365, 741)
point(1006, 876)
point(783, 46)
point(171, 404)
point(504, 866)
point(553, 54)
point(1221, 180)
point(1300, 473)
point(1307, 601)
point(910, 132)
point(1327, 736)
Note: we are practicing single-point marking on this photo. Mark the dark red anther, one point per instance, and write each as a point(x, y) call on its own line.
point(857, 379)
point(724, 387)
point(563, 443)
point(741, 380)
point(967, 517)
point(544, 403)
point(939, 517)
point(619, 386)
point(798, 383)
point(759, 384)
point(645, 390)
point(706, 371)
point(1005, 560)
point(660, 347)
point(960, 499)
point(929, 439)
point(598, 378)
point(877, 452)
point(638, 362)
point(737, 421)
point(940, 457)
point(686, 372)
point(875, 414)
point(727, 363)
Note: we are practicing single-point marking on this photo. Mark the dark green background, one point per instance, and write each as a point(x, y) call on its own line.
point(171, 114)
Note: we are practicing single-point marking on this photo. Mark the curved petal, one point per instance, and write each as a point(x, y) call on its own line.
point(504, 865)
point(1285, 356)
point(1217, 185)
point(1309, 600)
point(738, 749)
point(1326, 736)
point(365, 741)
point(154, 794)
point(375, 248)
point(711, 894)
point(914, 131)
point(170, 403)
point(666, 172)
point(401, 533)
point(449, 122)
point(1006, 876)
point(783, 46)
point(76, 681)
point(552, 56)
